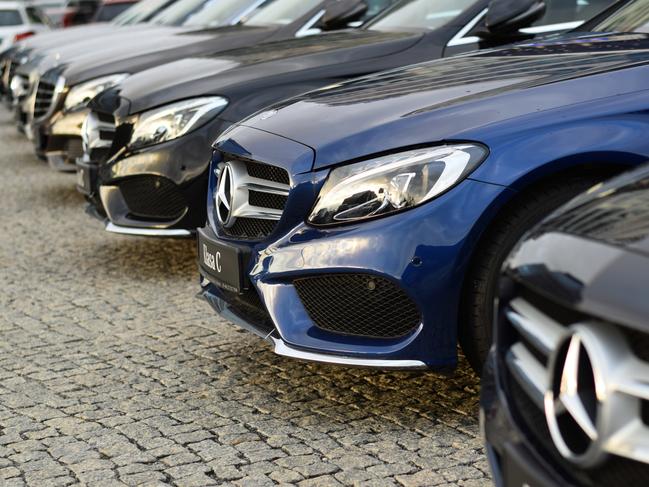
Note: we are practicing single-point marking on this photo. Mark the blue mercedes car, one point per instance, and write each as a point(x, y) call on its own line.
point(366, 223)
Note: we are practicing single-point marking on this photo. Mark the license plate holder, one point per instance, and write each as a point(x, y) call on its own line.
point(86, 179)
point(221, 263)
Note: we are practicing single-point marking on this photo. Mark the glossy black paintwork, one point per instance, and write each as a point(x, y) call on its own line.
point(593, 255)
point(153, 46)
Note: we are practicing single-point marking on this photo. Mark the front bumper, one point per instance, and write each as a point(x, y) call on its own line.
point(58, 139)
point(174, 171)
point(423, 252)
point(513, 458)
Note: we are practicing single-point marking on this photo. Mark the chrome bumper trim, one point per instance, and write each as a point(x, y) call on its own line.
point(281, 348)
point(147, 232)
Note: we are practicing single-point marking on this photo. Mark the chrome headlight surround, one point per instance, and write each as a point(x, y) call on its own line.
point(393, 183)
point(80, 95)
point(175, 120)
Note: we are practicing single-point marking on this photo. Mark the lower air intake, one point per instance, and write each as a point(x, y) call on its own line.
point(359, 305)
point(153, 197)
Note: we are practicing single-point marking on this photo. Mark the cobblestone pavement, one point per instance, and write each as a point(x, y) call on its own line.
point(112, 373)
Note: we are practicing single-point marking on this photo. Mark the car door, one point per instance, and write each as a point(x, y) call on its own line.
point(560, 15)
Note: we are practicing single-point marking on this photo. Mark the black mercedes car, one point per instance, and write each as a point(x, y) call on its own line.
point(565, 395)
point(64, 85)
point(151, 136)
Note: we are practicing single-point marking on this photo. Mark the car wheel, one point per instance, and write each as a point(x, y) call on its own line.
point(481, 284)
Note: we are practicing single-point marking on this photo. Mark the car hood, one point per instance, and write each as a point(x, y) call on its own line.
point(228, 72)
point(61, 36)
point(453, 98)
point(164, 49)
point(146, 48)
point(593, 253)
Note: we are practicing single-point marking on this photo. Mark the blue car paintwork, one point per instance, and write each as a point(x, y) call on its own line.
point(584, 102)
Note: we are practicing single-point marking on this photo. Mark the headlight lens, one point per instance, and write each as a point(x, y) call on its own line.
point(80, 95)
point(172, 121)
point(393, 183)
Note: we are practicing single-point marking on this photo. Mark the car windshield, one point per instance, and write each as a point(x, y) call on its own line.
point(10, 17)
point(633, 17)
point(281, 12)
point(140, 12)
point(421, 14)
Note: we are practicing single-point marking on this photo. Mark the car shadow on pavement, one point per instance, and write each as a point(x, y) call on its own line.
point(142, 258)
point(62, 194)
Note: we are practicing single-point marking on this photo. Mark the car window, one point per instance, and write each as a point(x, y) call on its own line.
point(10, 17)
point(633, 17)
point(421, 14)
point(375, 7)
point(205, 13)
point(559, 15)
point(109, 11)
point(281, 12)
point(35, 16)
point(561, 11)
point(141, 11)
point(222, 12)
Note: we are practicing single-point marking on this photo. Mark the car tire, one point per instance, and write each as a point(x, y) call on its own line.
point(481, 284)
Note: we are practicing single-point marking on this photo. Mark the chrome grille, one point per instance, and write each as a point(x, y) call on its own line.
point(535, 333)
point(250, 198)
point(45, 97)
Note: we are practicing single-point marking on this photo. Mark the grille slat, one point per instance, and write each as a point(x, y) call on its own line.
point(359, 305)
point(44, 98)
point(265, 188)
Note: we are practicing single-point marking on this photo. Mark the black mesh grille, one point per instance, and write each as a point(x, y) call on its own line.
point(249, 307)
point(44, 98)
point(153, 197)
point(267, 200)
point(251, 228)
point(270, 173)
point(358, 304)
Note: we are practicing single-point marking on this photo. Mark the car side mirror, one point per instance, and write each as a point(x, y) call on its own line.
point(341, 13)
point(506, 17)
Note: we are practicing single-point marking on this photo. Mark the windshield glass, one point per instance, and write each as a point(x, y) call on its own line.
point(282, 12)
point(421, 14)
point(216, 13)
point(633, 17)
point(10, 17)
point(140, 12)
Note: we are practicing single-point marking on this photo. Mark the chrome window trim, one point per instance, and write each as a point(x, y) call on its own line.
point(307, 29)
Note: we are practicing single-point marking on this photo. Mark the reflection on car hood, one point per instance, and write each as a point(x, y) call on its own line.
point(148, 47)
point(224, 72)
point(449, 98)
point(616, 213)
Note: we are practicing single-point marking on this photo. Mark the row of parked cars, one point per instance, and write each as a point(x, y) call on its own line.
point(371, 182)
point(26, 18)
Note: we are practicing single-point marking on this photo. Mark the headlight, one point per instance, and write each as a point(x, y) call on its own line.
point(80, 95)
point(393, 183)
point(172, 121)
